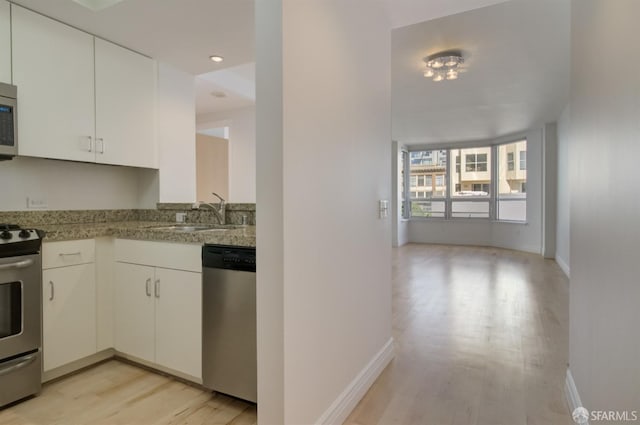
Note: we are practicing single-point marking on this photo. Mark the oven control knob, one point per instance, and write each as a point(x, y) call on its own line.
point(6, 235)
point(24, 234)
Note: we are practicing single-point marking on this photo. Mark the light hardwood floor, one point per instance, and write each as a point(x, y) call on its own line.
point(481, 339)
point(116, 393)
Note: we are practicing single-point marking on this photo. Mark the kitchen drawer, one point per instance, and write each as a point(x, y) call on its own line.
point(167, 255)
point(68, 253)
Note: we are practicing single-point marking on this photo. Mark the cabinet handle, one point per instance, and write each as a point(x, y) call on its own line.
point(52, 292)
point(147, 287)
point(63, 254)
point(90, 140)
point(101, 144)
point(157, 288)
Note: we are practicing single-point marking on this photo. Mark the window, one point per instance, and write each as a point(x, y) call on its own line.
point(476, 162)
point(402, 188)
point(486, 180)
point(511, 185)
point(481, 187)
point(423, 166)
point(469, 183)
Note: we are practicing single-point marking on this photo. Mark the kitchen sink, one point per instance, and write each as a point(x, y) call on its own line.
point(186, 227)
point(197, 227)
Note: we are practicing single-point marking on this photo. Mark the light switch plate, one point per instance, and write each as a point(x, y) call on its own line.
point(383, 208)
point(181, 217)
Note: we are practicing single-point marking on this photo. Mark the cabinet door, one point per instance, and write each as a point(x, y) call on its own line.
point(179, 321)
point(125, 107)
point(69, 314)
point(134, 310)
point(53, 69)
point(5, 42)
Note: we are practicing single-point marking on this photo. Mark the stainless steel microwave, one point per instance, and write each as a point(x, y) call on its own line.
point(8, 121)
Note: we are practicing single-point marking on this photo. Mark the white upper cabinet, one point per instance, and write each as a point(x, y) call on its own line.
point(53, 70)
point(5, 42)
point(125, 106)
point(81, 98)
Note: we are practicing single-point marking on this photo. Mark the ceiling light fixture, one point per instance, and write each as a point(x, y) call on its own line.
point(216, 58)
point(443, 65)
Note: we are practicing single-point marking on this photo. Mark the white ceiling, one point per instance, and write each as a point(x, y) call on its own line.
point(517, 60)
point(237, 83)
point(183, 33)
point(409, 12)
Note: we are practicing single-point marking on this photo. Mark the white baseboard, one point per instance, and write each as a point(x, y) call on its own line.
point(571, 393)
point(77, 365)
point(340, 409)
point(563, 265)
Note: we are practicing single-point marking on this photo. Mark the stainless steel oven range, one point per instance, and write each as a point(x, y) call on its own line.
point(20, 313)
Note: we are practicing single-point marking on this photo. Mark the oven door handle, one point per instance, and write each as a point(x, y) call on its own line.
point(16, 364)
point(17, 265)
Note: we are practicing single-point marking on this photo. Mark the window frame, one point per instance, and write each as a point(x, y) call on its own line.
point(493, 169)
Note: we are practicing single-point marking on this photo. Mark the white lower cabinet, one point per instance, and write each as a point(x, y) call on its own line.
point(142, 298)
point(134, 308)
point(179, 321)
point(68, 304)
point(158, 310)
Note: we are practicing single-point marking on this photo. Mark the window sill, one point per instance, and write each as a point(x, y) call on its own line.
point(462, 220)
point(526, 223)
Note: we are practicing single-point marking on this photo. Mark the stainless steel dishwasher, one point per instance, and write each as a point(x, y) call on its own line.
point(229, 359)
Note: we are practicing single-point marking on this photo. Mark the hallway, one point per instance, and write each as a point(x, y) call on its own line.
point(481, 339)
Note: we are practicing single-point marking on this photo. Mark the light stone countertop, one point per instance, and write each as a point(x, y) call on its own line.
point(147, 230)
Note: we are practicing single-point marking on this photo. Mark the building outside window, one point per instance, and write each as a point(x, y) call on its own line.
point(427, 167)
point(512, 198)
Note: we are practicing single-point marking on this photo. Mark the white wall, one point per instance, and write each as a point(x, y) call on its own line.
point(242, 150)
point(324, 286)
point(212, 168)
point(523, 237)
point(563, 194)
point(604, 346)
point(66, 185)
point(399, 226)
point(176, 135)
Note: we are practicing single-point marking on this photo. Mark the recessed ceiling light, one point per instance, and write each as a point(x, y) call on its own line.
point(216, 58)
point(97, 5)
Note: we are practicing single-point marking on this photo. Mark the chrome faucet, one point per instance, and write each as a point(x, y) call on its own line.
point(216, 209)
point(221, 203)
